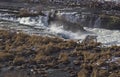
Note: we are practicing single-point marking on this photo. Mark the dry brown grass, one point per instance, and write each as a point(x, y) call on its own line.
point(88, 56)
point(19, 49)
point(83, 73)
point(103, 73)
point(94, 73)
point(40, 57)
point(5, 56)
point(63, 57)
point(18, 60)
point(115, 74)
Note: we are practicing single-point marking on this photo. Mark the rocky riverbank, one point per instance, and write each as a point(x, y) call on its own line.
point(37, 56)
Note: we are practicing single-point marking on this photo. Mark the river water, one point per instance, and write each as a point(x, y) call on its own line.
point(38, 25)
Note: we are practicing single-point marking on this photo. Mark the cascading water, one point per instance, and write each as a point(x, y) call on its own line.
point(38, 25)
point(97, 23)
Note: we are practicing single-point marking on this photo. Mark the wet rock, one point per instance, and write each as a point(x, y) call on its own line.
point(72, 75)
point(42, 72)
point(45, 75)
point(56, 67)
point(29, 12)
point(110, 22)
point(72, 72)
point(57, 73)
point(11, 68)
point(67, 69)
point(76, 62)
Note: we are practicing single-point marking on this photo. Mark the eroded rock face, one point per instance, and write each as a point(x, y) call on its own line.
point(110, 22)
point(105, 22)
point(74, 21)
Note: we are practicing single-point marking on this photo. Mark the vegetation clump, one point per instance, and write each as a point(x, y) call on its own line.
point(18, 60)
point(5, 56)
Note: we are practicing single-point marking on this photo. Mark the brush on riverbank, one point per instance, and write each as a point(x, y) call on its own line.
point(20, 51)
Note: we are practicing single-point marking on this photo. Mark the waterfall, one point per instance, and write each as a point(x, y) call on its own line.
point(90, 23)
point(38, 25)
point(97, 23)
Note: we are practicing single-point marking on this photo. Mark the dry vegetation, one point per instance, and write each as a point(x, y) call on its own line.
point(45, 52)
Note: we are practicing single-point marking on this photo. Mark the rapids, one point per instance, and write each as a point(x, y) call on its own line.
point(39, 25)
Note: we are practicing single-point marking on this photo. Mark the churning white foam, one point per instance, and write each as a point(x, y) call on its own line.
point(107, 37)
point(33, 21)
point(68, 34)
point(65, 34)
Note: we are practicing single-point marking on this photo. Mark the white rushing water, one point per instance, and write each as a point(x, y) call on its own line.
point(107, 37)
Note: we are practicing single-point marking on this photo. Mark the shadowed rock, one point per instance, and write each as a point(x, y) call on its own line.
point(27, 13)
point(90, 38)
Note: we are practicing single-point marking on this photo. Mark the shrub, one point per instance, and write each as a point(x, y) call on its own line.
point(20, 39)
point(51, 48)
point(83, 73)
point(88, 56)
point(63, 57)
point(112, 75)
point(94, 72)
point(103, 73)
point(42, 58)
point(4, 34)
point(5, 56)
point(35, 40)
point(18, 60)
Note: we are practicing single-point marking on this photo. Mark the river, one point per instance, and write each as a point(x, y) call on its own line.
point(38, 25)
